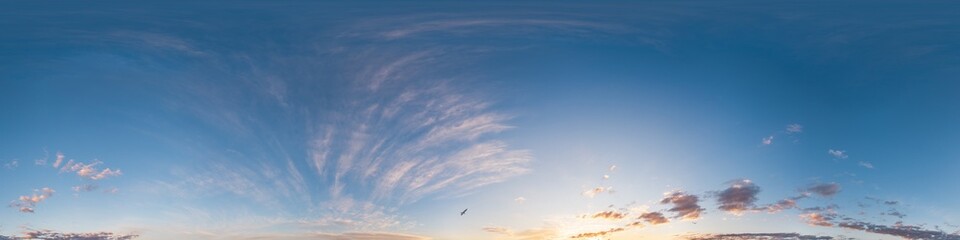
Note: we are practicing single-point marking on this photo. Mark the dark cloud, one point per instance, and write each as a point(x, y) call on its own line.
point(740, 196)
point(51, 235)
point(882, 201)
point(610, 215)
point(597, 234)
point(757, 236)
point(900, 230)
point(895, 213)
point(685, 205)
point(824, 189)
point(654, 218)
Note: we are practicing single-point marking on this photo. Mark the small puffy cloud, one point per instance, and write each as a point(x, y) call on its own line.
point(686, 206)
point(613, 167)
point(767, 140)
point(654, 218)
point(26, 204)
point(866, 164)
point(740, 196)
point(520, 199)
point(597, 190)
point(823, 189)
point(11, 164)
point(794, 128)
point(606, 176)
point(839, 154)
point(817, 219)
point(59, 160)
point(85, 188)
point(900, 230)
point(610, 215)
point(820, 216)
point(597, 234)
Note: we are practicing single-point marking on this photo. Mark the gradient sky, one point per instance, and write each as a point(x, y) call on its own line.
point(560, 120)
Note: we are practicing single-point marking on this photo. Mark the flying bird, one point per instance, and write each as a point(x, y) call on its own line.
point(464, 211)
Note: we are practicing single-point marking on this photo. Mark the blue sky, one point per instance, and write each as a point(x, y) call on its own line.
point(374, 120)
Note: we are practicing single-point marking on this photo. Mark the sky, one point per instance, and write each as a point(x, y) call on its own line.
point(468, 120)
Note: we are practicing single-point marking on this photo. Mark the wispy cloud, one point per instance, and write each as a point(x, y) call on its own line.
point(780, 205)
point(767, 140)
point(740, 196)
point(794, 128)
point(531, 234)
point(520, 199)
point(866, 164)
point(823, 189)
point(26, 204)
point(85, 188)
point(59, 160)
point(84, 170)
point(610, 215)
point(839, 154)
point(685, 206)
point(756, 236)
point(11, 164)
point(895, 213)
point(597, 234)
point(368, 236)
point(590, 193)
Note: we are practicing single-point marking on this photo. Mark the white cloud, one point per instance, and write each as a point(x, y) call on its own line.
point(590, 193)
point(26, 204)
point(12, 164)
point(841, 154)
point(59, 160)
point(768, 140)
point(85, 188)
point(88, 171)
point(794, 128)
point(520, 199)
point(866, 164)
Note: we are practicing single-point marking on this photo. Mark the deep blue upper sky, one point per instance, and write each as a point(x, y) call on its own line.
point(548, 120)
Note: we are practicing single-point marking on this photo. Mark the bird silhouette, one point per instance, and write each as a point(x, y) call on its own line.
point(464, 211)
